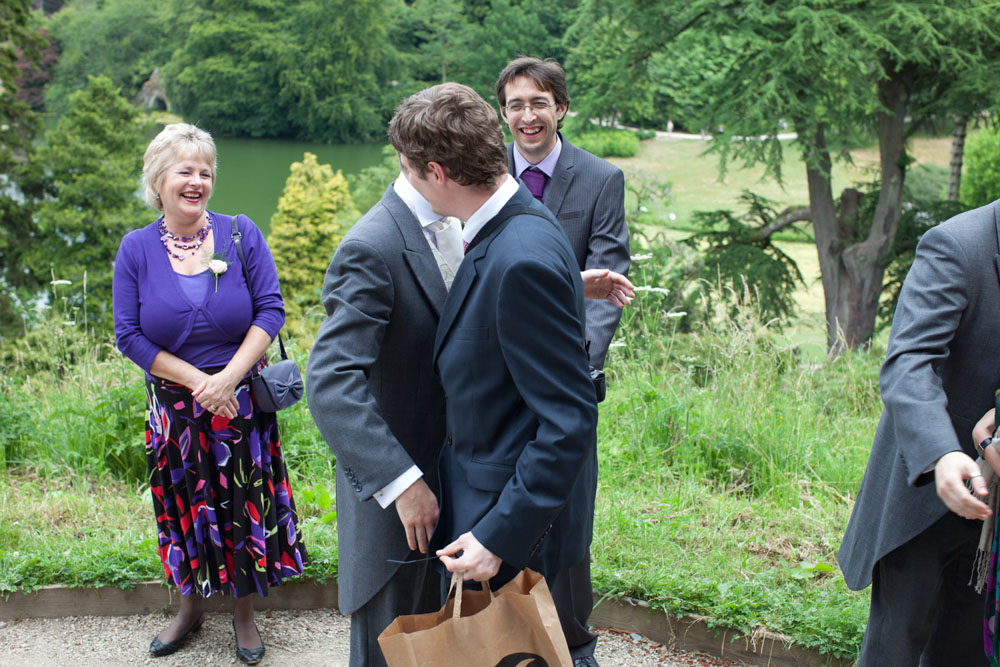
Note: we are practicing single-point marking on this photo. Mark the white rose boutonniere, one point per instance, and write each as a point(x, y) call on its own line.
point(217, 265)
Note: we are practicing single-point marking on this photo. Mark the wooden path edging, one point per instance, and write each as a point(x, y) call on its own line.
point(690, 633)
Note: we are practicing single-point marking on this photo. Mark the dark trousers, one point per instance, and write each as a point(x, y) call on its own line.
point(574, 597)
point(414, 589)
point(923, 610)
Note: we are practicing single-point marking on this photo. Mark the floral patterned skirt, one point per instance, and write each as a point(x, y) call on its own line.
point(225, 518)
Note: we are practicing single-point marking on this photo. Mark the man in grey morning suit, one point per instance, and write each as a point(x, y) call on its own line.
point(941, 369)
point(587, 196)
point(584, 192)
point(376, 399)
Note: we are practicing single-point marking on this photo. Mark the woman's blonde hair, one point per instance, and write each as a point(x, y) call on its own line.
point(174, 143)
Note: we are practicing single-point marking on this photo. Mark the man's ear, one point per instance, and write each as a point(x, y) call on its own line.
point(561, 110)
point(438, 170)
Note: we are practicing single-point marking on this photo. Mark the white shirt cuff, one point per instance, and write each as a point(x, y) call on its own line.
point(388, 494)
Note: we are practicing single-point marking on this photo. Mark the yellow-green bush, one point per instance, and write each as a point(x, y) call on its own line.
point(313, 213)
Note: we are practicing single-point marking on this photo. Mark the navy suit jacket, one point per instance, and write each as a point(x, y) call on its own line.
point(519, 466)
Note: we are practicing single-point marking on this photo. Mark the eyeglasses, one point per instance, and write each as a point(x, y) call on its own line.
point(518, 107)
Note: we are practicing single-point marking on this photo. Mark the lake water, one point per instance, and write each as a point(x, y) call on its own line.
point(252, 172)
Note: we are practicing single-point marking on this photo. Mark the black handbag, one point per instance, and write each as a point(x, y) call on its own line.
point(279, 385)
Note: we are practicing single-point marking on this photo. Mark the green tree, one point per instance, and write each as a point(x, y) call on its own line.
point(19, 172)
point(981, 184)
point(738, 253)
point(509, 30)
point(93, 161)
point(601, 93)
point(313, 213)
point(314, 69)
point(368, 187)
point(833, 72)
point(124, 40)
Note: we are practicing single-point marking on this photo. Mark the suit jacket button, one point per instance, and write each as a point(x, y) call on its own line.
point(448, 441)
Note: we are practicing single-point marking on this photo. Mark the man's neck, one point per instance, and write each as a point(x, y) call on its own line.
point(470, 198)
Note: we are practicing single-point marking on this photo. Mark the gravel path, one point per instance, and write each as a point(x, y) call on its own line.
point(304, 639)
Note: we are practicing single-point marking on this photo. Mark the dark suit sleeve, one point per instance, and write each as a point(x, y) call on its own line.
point(607, 248)
point(358, 296)
point(539, 332)
point(931, 304)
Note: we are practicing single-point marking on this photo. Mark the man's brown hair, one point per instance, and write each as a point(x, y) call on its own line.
point(547, 74)
point(452, 125)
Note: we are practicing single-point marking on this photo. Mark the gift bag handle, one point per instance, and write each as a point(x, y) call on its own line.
point(456, 585)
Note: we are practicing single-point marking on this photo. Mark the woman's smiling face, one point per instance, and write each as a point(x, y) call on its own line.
point(185, 190)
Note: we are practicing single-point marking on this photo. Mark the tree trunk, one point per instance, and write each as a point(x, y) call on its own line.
point(957, 156)
point(852, 270)
point(862, 261)
point(825, 228)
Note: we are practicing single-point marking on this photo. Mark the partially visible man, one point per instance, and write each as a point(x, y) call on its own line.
point(913, 541)
point(584, 192)
point(519, 466)
point(587, 196)
point(375, 397)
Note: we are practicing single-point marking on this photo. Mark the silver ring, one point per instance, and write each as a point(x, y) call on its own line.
point(974, 476)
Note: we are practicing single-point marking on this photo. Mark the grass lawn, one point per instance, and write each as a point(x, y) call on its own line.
point(696, 186)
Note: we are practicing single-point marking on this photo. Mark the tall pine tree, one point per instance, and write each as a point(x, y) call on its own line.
point(93, 161)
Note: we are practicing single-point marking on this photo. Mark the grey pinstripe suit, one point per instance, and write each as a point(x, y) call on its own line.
point(376, 399)
point(587, 196)
point(940, 371)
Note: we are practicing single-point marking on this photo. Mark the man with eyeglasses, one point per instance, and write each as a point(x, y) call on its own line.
point(584, 192)
point(587, 196)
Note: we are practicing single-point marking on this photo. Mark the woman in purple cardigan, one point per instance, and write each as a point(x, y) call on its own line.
point(225, 518)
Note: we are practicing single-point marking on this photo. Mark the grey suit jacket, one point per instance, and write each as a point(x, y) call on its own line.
point(373, 391)
point(941, 369)
point(587, 196)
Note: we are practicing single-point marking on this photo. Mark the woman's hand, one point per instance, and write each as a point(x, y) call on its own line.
point(216, 393)
point(983, 429)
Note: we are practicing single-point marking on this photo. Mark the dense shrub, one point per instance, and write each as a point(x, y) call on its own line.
point(981, 181)
point(608, 143)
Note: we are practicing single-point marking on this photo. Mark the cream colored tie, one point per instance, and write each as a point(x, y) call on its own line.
point(448, 233)
point(447, 247)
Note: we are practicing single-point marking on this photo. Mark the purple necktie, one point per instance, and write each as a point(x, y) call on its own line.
point(535, 180)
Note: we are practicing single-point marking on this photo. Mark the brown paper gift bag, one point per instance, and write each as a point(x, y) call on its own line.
point(515, 627)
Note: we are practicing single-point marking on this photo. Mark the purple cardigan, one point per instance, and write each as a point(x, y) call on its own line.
point(152, 312)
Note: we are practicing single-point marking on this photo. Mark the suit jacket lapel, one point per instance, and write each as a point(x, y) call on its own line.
point(469, 270)
point(996, 225)
point(562, 177)
point(464, 280)
point(417, 253)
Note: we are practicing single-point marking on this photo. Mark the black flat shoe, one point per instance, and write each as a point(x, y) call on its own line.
point(159, 649)
point(249, 656)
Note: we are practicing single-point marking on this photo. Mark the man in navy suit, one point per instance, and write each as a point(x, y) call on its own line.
point(518, 471)
point(587, 196)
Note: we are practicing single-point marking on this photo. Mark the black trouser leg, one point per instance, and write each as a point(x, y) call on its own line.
point(923, 611)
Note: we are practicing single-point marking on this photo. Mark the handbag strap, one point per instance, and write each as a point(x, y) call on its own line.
point(237, 241)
